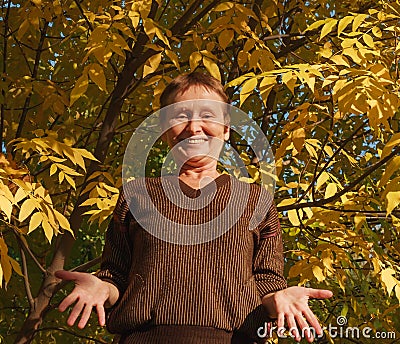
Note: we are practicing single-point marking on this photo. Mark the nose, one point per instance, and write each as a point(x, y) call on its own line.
point(194, 126)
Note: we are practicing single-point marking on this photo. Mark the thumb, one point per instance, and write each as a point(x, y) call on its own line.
point(319, 293)
point(66, 275)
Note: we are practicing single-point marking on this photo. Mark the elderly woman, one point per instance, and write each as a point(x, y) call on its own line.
point(212, 288)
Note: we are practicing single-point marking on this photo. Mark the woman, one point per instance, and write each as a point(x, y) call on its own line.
point(174, 278)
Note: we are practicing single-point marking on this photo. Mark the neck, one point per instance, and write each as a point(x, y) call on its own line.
point(199, 176)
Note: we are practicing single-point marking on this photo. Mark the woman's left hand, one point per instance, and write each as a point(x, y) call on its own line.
point(291, 304)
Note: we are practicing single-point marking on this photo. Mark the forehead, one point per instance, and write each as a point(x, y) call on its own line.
point(197, 92)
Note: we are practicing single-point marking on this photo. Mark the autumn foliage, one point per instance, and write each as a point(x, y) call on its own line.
point(321, 78)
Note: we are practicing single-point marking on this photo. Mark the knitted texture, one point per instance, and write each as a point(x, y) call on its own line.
point(216, 284)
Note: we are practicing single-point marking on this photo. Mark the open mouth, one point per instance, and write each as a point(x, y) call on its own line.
point(194, 140)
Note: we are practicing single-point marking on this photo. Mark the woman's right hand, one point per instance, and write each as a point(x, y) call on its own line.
point(89, 292)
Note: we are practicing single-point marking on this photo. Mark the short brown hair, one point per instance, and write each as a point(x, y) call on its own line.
point(184, 81)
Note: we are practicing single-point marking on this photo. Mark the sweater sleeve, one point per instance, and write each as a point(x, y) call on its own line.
point(117, 252)
point(268, 258)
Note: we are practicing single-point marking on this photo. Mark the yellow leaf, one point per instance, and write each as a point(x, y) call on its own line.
point(151, 64)
point(48, 230)
point(61, 176)
point(212, 68)
point(162, 37)
point(225, 37)
point(343, 23)
point(358, 20)
point(318, 273)
point(359, 220)
point(388, 280)
point(62, 220)
point(322, 179)
point(293, 217)
point(19, 195)
point(328, 27)
point(26, 209)
point(70, 181)
point(35, 221)
point(368, 40)
point(5, 261)
point(266, 85)
point(96, 74)
point(298, 137)
point(315, 25)
point(6, 206)
point(225, 6)
point(194, 60)
point(296, 269)
point(391, 168)
point(247, 88)
point(242, 58)
point(393, 200)
point(287, 201)
point(173, 57)
point(289, 79)
point(15, 266)
point(149, 28)
point(397, 291)
point(377, 32)
point(330, 190)
point(102, 54)
point(393, 142)
point(134, 17)
point(53, 169)
point(79, 159)
point(376, 264)
point(340, 60)
point(22, 29)
point(85, 153)
point(79, 89)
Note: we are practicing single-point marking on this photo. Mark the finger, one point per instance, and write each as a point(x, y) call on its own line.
point(101, 315)
point(293, 331)
point(75, 313)
point(68, 301)
point(305, 330)
point(319, 293)
point(312, 320)
point(66, 275)
point(281, 321)
point(85, 316)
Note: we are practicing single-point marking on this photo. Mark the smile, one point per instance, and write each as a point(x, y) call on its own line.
point(194, 141)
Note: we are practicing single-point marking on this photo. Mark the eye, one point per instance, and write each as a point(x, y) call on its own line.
point(181, 115)
point(207, 115)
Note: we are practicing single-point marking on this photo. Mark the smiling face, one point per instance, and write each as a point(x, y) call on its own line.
point(197, 127)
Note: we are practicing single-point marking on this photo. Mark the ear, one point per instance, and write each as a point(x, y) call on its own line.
point(227, 131)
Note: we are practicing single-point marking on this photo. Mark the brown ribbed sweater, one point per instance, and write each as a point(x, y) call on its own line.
point(216, 284)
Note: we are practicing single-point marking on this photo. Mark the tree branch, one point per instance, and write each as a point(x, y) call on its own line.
point(344, 190)
point(34, 75)
point(26, 279)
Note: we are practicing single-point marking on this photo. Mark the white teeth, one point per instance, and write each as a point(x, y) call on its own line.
point(196, 140)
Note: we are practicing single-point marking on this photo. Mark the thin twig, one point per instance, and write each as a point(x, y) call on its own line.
point(26, 278)
point(28, 250)
point(76, 334)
